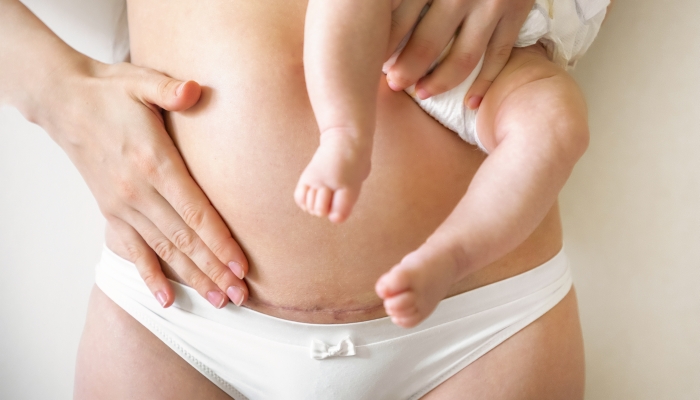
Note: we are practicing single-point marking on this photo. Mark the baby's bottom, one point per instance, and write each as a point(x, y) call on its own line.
point(534, 113)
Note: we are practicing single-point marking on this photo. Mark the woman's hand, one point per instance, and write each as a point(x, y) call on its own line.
point(108, 120)
point(488, 27)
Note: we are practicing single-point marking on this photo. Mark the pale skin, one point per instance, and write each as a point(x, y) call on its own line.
point(240, 151)
point(534, 139)
point(108, 120)
point(543, 361)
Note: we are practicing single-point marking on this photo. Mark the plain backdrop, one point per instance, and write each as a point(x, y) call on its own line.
point(631, 213)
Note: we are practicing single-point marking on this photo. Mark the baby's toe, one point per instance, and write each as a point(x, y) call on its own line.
point(310, 200)
point(407, 321)
point(300, 195)
point(401, 305)
point(392, 283)
point(322, 203)
point(343, 201)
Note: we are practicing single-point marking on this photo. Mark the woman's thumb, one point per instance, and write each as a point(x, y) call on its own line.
point(170, 94)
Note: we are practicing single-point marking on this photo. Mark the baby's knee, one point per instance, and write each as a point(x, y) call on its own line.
point(533, 97)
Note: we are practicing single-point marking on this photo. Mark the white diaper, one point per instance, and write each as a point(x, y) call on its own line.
point(566, 28)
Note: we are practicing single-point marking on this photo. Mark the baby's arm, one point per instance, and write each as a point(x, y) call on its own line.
point(345, 42)
point(533, 121)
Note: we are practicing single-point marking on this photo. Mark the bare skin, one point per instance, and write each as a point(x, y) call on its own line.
point(245, 144)
point(537, 133)
point(532, 152)
point(544, 361)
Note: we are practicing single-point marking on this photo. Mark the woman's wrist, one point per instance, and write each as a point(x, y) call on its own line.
point(36, 64)
point(46, 97)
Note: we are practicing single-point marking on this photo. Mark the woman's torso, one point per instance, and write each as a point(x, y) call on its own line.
point(253, 132)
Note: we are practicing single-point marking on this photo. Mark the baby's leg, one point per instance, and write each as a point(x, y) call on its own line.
point(533, 121)
point(344, 45)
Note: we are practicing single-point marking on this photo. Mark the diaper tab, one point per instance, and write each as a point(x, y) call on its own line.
point(320, 350)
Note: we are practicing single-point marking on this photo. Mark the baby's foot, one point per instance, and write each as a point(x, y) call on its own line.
point(412, 289)
point(330, 184)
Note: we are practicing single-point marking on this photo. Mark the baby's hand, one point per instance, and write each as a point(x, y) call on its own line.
point(486, 28)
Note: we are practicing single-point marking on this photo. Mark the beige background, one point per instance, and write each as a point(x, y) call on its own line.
point(631, 213)
point(632, 208)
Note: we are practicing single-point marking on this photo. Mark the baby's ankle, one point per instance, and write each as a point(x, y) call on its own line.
point(454, 253)
point(349, 136)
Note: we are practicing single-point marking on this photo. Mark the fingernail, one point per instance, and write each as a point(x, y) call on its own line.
point(216, 298)
point(237, 269)
point(235, 294)
point(162, 298)
point(422, 94)
point(392, 85)
point(474, 102)
point(179, 88)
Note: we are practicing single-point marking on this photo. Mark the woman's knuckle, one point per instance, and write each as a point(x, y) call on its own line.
point(465, 61)
point(148, 162)
point(192, 214)
point(198, 281)
point(164, 87)
point(164, 249)
point(217, 246)
point(425, 49)
point(149, 277)
point(185, 240)
point(133, 251)
point(399, 24)
point(127, 191)
point(499, 51)
point(219, 275)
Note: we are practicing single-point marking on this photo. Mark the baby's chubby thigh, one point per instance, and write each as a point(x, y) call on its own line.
point(535, 98)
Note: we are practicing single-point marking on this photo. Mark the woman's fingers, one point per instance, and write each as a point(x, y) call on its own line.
point(137, 251)
point(489, 29)
point(496, 56)
point(214, 281)
point(165, 92)
point(428, 40)
point(403, 19)
point(169, 176)
point(194, 217)
point(180, 233)
point(464, 55)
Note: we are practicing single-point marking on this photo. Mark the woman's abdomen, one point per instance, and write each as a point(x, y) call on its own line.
point(248, 139)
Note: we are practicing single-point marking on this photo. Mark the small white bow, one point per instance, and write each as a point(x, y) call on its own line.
point(320, 350)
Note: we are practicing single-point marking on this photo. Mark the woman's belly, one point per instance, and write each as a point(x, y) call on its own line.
point(252, 133)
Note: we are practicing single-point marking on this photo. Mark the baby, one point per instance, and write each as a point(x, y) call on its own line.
point(533, 126)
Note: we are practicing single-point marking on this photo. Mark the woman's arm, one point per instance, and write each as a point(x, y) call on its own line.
point(108, 120)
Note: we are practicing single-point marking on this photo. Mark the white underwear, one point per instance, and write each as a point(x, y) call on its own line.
point(250, 355)
point(567, 28)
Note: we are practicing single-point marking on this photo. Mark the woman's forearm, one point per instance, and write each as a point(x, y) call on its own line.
point(107, 118)
point(32, 58)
